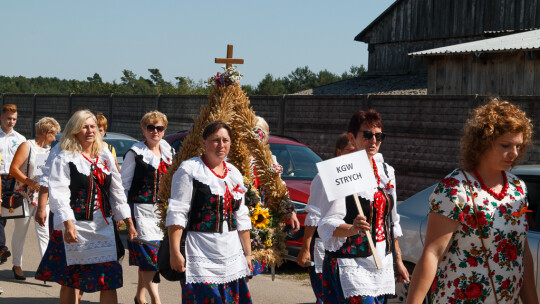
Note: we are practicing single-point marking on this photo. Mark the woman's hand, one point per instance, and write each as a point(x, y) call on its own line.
point(248, 260)
point(32, 184)
point(132, 232)
point(402, 274)
point(360, 223)
point(295, 223)
point(70, 232)
point(41, 215)
point(178, 262)
point(303, 256)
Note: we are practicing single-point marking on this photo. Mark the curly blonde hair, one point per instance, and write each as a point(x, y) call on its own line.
point(154, 117)
point(487, 123)
point(69, 141)
point(47, 124)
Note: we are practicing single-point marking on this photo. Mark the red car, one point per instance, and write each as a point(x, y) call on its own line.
point(299, 169)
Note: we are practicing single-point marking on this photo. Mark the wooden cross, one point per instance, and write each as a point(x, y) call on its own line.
point(229, 60)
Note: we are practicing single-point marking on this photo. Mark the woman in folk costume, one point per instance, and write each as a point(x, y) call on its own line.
point(312, 245)
point(350, 274)
point(476, 248)
point(142, 170)
point(207, 203)
point(26, 169)
point(85, 191)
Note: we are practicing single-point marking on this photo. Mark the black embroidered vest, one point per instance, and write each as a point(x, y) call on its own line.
point(145, 184)
point(358, 245)
point(83, 194)
point(208, 210)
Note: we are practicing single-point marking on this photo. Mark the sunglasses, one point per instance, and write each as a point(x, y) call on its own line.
point(151, 128)
point(368, 135)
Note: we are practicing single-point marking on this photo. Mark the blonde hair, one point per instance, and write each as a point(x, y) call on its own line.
point(46, 124)
point(153, 117)
point(486, 124)
point(261, 123)
point(69, 141)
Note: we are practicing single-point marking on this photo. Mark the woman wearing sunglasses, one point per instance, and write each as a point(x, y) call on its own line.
point(144, 165)
point(349, 271)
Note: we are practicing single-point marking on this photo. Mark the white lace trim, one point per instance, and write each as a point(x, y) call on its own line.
point(149, 157)
point(356, 280)
point(201, 262)
point(312, 219)
point(199, 171)
point(93, 260)
point(326, 232)
point(83, 165)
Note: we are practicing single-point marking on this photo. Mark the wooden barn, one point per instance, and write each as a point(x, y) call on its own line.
point(409, 26)
point(507, 65)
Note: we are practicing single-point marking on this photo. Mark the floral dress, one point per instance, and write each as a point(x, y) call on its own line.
point(462, 275)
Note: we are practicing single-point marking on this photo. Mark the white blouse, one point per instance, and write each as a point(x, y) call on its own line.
point(59, 181)
point(146, 215)
point(360, 276)
point(211, 257)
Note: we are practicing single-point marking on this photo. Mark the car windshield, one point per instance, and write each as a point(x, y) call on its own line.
point(298, 162)
point(120, 145)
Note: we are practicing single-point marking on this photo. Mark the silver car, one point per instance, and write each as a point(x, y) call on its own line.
point(414, 210)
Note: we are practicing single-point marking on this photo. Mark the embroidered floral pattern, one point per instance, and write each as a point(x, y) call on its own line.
point(87, 278)
point(201, 293)
point(462, 275)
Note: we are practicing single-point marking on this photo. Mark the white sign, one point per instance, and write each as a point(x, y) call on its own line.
point(40, 162)
point(346, 175)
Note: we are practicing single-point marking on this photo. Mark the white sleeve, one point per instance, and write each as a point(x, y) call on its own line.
point(317, 197)
point(332, 215)
point(180, 200)
point(118, 199)
point(128, 170)
point(59, 193)
point(395, 216)
point(243, 222)
point(46, 169)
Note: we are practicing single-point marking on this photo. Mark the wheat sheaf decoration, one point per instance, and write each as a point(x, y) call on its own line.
point(267, 197)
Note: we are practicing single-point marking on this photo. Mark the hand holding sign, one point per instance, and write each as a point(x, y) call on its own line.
point(346, 175)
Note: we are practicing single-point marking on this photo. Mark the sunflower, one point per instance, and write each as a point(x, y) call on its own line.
point(260, 217)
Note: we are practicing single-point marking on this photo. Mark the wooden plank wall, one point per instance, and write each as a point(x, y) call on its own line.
point(513, 73)
point(423, 130)
point(413, 20)
point(415, 25)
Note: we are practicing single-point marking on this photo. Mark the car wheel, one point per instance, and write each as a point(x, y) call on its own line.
point(403, 289)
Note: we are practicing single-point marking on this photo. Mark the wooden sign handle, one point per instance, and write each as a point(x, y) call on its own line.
point(368, 234)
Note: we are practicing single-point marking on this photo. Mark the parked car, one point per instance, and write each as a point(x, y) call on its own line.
point(121, 143)
point(299, 169)
point(414, 212)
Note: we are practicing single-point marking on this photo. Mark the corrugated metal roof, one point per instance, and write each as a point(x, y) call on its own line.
point(521, 41)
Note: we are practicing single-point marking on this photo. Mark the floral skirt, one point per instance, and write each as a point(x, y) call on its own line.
point(87, 278)
point(332, 292)
point(143, 255)
point(233, 292)
point(258, 267)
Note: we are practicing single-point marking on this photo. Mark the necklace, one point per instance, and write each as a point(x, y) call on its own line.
point(376, 172)
point(224, 168)
point(498, 196)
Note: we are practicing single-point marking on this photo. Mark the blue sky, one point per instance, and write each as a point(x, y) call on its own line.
point(75, 39)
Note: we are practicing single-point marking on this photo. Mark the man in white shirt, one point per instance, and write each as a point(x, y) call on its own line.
point(9, 143)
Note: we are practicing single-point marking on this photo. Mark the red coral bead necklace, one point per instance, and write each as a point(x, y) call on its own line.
point(224, 168)
point(499, 196)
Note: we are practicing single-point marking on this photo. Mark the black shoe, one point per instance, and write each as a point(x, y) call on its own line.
point(16, 276)
point(4, 255)
point(137, 301)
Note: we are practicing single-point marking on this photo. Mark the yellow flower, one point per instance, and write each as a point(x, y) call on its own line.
point(260, 217)
point(268, 243)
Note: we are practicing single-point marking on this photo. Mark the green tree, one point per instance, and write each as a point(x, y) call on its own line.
point(270, 86)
